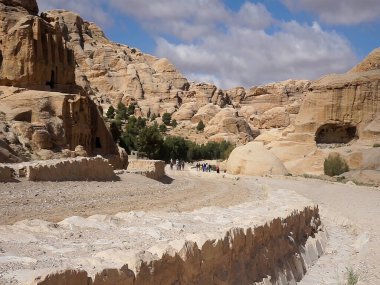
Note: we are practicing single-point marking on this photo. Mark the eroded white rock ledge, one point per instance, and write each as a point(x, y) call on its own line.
point(273, 241)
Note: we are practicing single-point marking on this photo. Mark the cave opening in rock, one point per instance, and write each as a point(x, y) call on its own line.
point(335, 134)
point(52, 80)
point(1, 58)
point(98, 144)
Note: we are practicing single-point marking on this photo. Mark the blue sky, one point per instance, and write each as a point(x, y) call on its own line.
point(241, 42)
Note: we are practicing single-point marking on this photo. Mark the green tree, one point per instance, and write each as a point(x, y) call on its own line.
point(166, 119)
point(200, 126)
point(153, 117)
point(121, 112)
point(174, 123)
point(131, 109)
point(163, 128)
point(110, 112)
point(150, 142)
point(174, 147)
point(115, 129)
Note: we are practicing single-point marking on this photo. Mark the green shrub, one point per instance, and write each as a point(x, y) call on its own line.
point(121, 112)
point(163, 128)
point(166, 119)
point(174, 123)
point(200, 126)
point(335, 165)
point(110, 112)
point(352, 277)
point(376, 145)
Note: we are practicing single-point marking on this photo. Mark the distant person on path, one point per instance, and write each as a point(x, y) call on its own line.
point(171, 163)
point(217, 169)
point(177, 164)
point(183, 165)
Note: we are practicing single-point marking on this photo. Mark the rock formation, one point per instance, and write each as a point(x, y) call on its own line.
point(297, 120)
point(340, 113)
point(34, 55)
point(254, 159)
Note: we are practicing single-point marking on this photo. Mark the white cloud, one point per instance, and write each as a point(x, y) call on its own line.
point(346, 12)
point(246, 56)
point(229, 48)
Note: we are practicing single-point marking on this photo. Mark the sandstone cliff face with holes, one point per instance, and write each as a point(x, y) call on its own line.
point(340, 113)
point(43, 112)
point(32, 52)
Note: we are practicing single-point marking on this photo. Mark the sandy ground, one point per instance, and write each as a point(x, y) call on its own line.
point(54, 201)
point(350, 213)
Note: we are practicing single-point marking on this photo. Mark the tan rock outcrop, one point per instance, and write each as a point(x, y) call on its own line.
point(57, 121)
point(227, 122)
point(344, 103)
point(371, 62)
point(185, 112)
point(115, 72)
point(205, 113)
point(254, 159)
point(32, 52)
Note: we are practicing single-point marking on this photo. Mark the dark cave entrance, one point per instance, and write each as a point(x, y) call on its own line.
point(335, 134)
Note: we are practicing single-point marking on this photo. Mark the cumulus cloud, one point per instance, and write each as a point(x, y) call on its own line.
point(207, 41)
point(346, 12)
point(243, 55)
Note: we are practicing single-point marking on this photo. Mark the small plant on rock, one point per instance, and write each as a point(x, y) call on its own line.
point(200, 126)
point(352, 277)
point(376, 145)
point(166, 119)
point(335, 165)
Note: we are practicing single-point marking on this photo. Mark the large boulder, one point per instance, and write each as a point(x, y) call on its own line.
point(254, 159)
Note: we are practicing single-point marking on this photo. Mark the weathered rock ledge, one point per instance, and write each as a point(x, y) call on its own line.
point(261, 242)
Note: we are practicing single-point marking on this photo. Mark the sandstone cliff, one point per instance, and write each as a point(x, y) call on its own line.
point(43, 111)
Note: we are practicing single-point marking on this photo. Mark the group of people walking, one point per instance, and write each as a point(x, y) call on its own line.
point(180, 164)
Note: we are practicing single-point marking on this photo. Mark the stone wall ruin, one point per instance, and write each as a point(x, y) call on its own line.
point(77, 169)
point(154, 169)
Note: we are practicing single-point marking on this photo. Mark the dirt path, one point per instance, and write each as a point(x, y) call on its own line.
point(54, 201)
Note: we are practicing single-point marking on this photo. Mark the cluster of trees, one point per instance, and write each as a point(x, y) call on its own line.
point(135, 134)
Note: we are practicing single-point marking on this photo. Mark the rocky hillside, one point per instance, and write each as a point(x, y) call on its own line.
point(114, 73)
point(299, 121)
